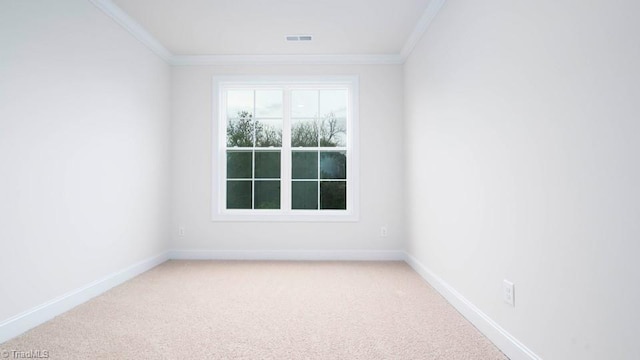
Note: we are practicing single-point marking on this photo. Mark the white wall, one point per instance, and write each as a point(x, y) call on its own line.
point(522, 163)
point(84, 150)
point(380, 167)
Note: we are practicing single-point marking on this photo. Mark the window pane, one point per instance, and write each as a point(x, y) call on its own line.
point(304, 133)
point(239, 164)
point(267, 165)
point(268, 133)
point(239, 101)
point(333, 131)
point(239, 194)
point(304, 103)
point(333, 195)
point(314, 125)
point(240, 131)
point(304, 165)
point(333, 102)
point(333, 165)
point(269, 103)
point(304, 195)
point(267, 195)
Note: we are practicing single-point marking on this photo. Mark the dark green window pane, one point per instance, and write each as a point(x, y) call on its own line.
point(267, 164)
point(267, 195)
point(304, 195)
point(333, 195)
point(238, 194)
point(333, 165)
point(239, 164)
point(304, 165)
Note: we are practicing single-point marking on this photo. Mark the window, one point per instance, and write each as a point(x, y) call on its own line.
point(286, 149)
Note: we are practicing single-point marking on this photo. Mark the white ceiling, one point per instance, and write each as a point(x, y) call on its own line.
point(258, 27)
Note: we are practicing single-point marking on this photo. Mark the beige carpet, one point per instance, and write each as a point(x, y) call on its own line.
point(264, 310)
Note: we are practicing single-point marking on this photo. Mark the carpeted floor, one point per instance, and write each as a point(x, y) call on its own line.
point(264, 310)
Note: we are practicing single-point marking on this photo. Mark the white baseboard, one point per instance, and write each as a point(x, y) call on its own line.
point(20, 323)
point(508, 344)
point(29, 319)
point(318, 255)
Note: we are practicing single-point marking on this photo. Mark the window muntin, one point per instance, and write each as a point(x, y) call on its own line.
point(318, 120)
point(253, 148)
point(253, 179)
point(287, 151)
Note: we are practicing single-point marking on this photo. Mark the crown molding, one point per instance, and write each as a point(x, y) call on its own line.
point(133, 27)
point(140, 33)
point(181, 60)
point(421, 27)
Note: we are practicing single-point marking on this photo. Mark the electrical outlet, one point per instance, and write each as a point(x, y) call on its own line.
point(383, 231)
point(181, 230)
point(508, 294)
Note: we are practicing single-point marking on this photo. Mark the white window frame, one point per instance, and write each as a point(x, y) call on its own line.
point(218, 174)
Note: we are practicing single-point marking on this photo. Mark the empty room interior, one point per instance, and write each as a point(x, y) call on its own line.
point(335, 179)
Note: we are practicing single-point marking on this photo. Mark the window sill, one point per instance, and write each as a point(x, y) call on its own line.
point(278, 216)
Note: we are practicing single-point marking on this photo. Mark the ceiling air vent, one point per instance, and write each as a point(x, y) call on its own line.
point(299, 38)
